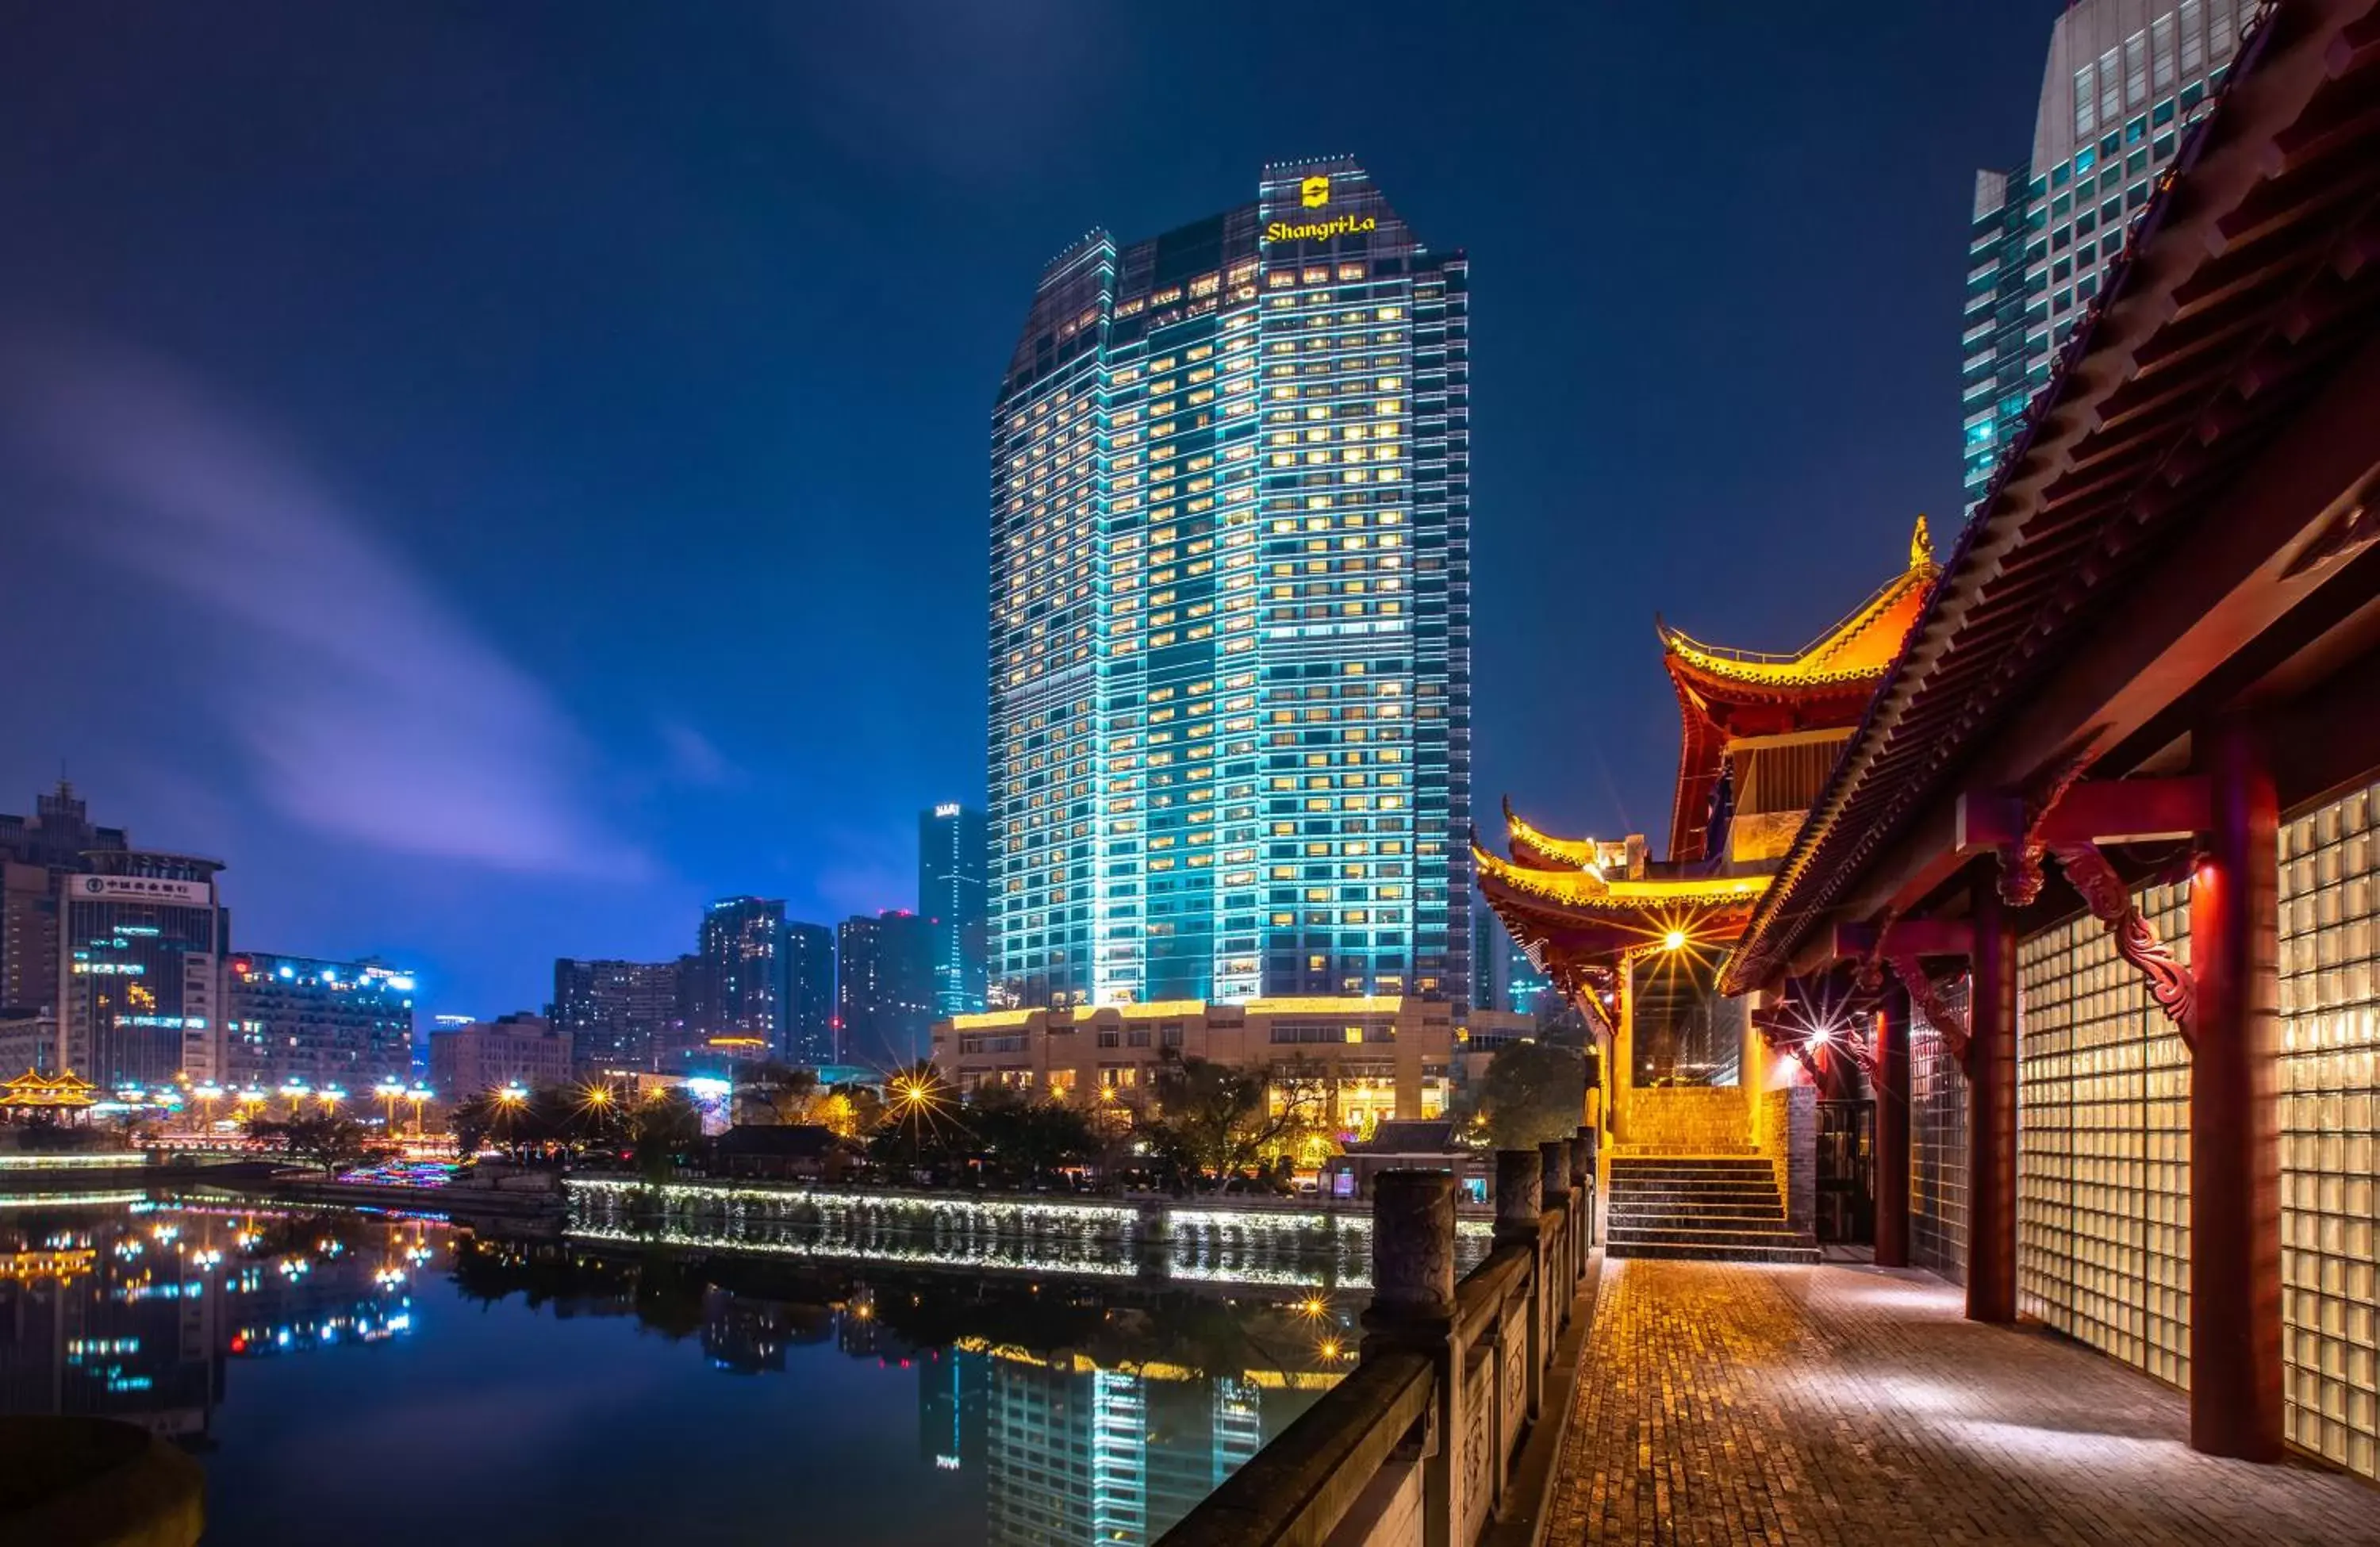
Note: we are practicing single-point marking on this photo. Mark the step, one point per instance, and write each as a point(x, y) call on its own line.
point(1661, 1251)
point(1694, 1168)
point(1692, 1194)
point(1755, 1214)
point(1695, 1174)
point(1616, 1234)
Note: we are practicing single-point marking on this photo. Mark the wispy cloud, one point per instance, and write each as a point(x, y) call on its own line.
point(694, 759)
point(367, 707)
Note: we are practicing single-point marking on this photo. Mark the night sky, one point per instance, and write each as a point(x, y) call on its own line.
point(502, 474)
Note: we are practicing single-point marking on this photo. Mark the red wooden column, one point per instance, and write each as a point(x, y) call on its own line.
point(1991, 1108)
point(2235, 1181)
point(1892, 1157)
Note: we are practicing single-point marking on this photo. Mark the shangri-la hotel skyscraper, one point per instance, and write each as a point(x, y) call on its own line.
point(1231, 620)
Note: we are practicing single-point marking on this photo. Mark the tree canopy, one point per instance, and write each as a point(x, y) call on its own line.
point(323, 1139)
point(1531, 1092)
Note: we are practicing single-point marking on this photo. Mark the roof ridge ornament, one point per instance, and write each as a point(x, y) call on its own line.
point(1921, 545)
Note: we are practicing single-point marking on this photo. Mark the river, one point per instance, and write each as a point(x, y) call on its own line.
point(373, 1379)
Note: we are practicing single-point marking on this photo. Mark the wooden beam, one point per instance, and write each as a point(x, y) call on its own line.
point(2091, 811)
point(1858, 941)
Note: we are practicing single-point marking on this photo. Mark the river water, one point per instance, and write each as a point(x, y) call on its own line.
point(369, 1379)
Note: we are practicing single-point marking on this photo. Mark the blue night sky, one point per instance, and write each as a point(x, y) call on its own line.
point(501, 475)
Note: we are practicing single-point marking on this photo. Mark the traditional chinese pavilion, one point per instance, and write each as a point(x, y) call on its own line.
point(34, 1092)
point(1635, 942)
point(2084, 907)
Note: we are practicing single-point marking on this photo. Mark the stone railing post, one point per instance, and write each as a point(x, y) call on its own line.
point(1413, 1308)
point(1520, 1207)
point(1591, 1144)
point(1553, 1256)
point(1581, 1197)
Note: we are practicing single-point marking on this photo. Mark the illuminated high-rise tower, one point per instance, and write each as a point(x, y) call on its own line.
point(2123, 80)
point(1230, 622)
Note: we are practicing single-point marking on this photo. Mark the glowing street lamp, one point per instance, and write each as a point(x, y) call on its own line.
point(419, 1095)
point(390, 1093)
point(295, 1091)
point(331, 1096)
point(207, 1095)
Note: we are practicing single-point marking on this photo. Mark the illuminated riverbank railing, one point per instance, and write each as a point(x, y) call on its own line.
point(110, 1160)
point(1422, 1442)
point(1189, 1243)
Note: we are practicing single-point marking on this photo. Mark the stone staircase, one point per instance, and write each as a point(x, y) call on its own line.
point(1710, 1208)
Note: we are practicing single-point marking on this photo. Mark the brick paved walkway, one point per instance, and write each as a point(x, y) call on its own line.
point(1734, 1403)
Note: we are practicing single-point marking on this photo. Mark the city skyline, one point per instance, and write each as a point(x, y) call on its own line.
point(534, 784)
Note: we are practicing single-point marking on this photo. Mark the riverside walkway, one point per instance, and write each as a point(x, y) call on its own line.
point(1731, 1404)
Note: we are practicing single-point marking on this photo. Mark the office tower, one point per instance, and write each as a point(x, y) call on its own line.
point(1231, 631)
point(949, 895)
point(521, 1049)
point(809, 1014)
point(142, 938)
point(37, 853)
point(741, 978)
point(884, 989)
point(621, 1015)
point(2122, 82)
point(322, 1023)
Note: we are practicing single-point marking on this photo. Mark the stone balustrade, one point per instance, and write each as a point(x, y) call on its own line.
point(1423, 1444)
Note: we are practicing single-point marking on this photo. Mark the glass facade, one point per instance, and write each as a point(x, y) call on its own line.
point(950, 895)
point(2329, 1086)
point(347, 1024)
point(2103, 1144)
point(620, 1015)
point(142, 971)
point(740, 982)
point(1230, 662)
point(2123, 77)
point(1937, 1138)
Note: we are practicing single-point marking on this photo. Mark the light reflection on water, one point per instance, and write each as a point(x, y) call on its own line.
point(696, 1384)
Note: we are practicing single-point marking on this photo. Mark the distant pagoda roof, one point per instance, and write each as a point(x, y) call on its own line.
point(33, 1089)
point(1578, 926)
point(1724, 694)
point(1541, 850)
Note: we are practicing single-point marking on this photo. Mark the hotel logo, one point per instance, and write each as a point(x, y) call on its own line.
point(1319, 230)
point(1315, 191)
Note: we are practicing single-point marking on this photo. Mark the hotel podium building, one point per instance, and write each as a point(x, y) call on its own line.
point(1231, 630)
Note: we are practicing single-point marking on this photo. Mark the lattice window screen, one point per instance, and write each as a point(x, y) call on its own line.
point(2329, 1084)
point(2102, 1145)
point(1937, 1135)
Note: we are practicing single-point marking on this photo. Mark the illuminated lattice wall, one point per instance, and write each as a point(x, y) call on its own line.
point(2329, 1120)
point(2102, 1145)
point(1938, 1144)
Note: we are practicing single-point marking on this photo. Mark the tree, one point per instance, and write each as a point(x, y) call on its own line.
point(660, 1130)
point(1531, 1092)
point(324, 1138)
point(917, 1127)
point(1029, 1139)
point(771, 1094)
point(1218, 1119)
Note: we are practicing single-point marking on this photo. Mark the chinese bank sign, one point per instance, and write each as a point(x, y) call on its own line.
point(1313, 193)
point(142, 888)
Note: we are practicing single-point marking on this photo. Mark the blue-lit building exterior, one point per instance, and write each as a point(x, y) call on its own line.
point(2122, 80)
point(809, 960)
point(1230, 632)
point(142, 937)
point(323, 1024)
point(950, 898)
